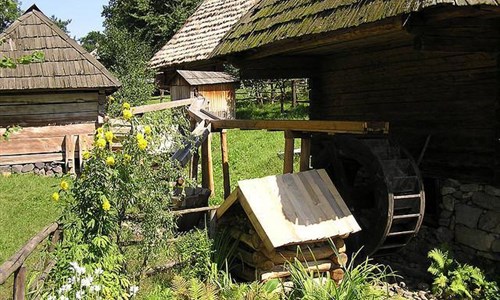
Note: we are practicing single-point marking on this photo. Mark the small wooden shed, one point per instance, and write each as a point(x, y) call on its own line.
point(274, 214)
point(216, 87)
point(57, 102)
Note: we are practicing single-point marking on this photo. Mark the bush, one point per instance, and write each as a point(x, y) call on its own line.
point(453, 280)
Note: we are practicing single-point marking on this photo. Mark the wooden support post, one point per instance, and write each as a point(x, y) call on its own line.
point(305, 153)
point(81, 147)
point(69, 154)
point(207, 174)
point(294, 92)
point(288, 156)
point(225, 163)
point(19, 283)
point(195, 160)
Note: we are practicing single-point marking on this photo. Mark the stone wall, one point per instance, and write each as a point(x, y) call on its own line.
point(470, 218)
point(48, 169)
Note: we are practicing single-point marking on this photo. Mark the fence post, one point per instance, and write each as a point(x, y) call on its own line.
point(19, 283)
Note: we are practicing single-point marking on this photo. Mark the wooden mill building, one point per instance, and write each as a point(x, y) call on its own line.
point(56, 102)
point(429, 68)
point(216, 87)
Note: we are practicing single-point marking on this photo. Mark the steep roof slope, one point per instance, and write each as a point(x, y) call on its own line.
point(275, 20)
point(206, 77)
point(67, 65)
point(201, 33)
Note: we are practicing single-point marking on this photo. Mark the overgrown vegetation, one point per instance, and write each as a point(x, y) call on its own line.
point(453, 280)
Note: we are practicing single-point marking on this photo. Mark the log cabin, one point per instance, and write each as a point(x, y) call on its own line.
point(57, 102)
point(429, 68)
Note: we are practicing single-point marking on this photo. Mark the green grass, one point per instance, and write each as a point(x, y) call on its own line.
point(26, 208)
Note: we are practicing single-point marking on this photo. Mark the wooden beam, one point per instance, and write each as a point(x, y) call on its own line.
point(288, 156)
point(305, 153)
point(207, 174)
point(138, 110)
point(225, 163)
point(303, 125)
point(69, 154)
point(19, 290)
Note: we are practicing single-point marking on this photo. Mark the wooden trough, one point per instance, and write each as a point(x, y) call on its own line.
point(278, 219)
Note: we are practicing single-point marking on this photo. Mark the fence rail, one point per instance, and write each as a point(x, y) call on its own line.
point(15, 264)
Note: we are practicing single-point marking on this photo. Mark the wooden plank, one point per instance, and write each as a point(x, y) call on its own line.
point(230, 200)
point(288, 154)
point(47, 98)
point(39, 109)
point(44, 120)
point(305, 154)
point(207, 175)
point(69, 154)
point(225, 163)
point(51, 131)
point(31, 146)
point(300, 125)
point(30, 158)
point(19, 290)
point(137, 110)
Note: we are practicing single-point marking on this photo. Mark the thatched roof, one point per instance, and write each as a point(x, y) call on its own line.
point(67, 65)
point(201, 33)
point(275, 20)
point(206, 77)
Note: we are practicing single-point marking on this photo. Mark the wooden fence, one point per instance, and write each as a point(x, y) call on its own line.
point(63, 144)
point(16, 263)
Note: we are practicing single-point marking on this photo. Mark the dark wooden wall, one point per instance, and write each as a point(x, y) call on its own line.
point(49, 108)
point(451, 96)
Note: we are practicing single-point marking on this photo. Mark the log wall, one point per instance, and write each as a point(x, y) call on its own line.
point(43, 109)
point(221, 97)
point(451, 96)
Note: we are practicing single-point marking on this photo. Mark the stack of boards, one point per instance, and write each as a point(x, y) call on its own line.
point(285, 220)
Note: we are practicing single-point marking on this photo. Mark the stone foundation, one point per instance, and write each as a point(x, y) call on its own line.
point(470, 218)
point(45, 169)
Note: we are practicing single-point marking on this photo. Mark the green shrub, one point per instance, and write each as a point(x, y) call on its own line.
point(453, 280)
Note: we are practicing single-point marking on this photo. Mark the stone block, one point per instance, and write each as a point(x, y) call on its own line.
point(467, 215)
point(444, 222)
point(471, 187)
point(49, 173)
point(444, 235)
point(28, 168)
point(495, 247)
point(5, 169)
point(490, 190)
point(448, 202)
point(446, 214)
point(447, 190)
point(16, 169)
point(474, 238)
point(490, 221)
point(486, 201)
point(41, 172)
point(39, 165)
point(489, 255)
point(458, 194)
point(57, 169)
point(452, 183)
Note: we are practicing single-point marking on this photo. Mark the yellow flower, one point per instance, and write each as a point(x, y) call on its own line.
point(139, 136)
point(142, 144)
point(105, 204)
point(127, 114)
point(110, 161)
point(86, 155)
point(99, 131)
point(127, 157)
point(126, 105)
point(64, 185)
point(100, 143)
point(55, 196)
point(147, 129)
point(109, 136)
point(111, 99)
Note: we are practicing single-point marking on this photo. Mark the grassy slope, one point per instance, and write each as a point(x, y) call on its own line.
point(25, 208)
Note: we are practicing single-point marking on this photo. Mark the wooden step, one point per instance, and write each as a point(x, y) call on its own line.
point(391, 246)
point(408, 232)
point(408, 216)
point(407, 196)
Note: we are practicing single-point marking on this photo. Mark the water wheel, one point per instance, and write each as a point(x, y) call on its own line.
point(382, 187)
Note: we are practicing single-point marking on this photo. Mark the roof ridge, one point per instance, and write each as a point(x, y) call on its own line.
point(92, 60)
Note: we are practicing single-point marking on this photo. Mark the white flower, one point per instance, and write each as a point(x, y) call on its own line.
point(64, 288)
point(51, 297)
point(74, 265)
point(98, 271)
point(87, 281)
point(78, 270)
point(63, 298)
point(95, 288)
point(133, 290)
point(79, 294)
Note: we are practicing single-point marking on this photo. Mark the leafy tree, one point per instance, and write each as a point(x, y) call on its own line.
point(154, 21)
point(92, 40)
point(63, 24)
point(9, 12)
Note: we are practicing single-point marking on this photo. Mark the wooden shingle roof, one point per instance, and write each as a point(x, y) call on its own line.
point(201, 33)
point(67, 65)
point(206, 77)
point(293, 208)
point(274, 20)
